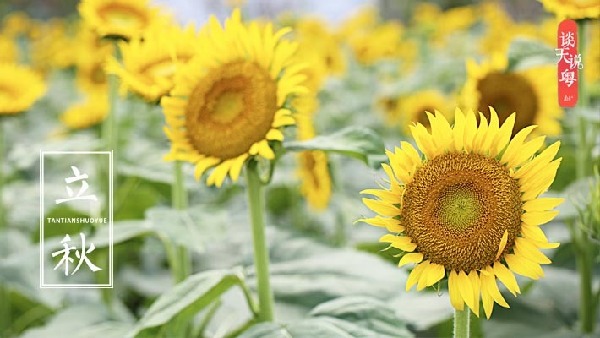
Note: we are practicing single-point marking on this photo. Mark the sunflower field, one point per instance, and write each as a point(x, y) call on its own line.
point(303, 169)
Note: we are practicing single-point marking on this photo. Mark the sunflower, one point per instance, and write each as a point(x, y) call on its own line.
point(87, 113)
point(573, 9)
point(228, 102)
point(313, 168)
point(525, 92)
point(445, 215)
point(20, 87)
point(92, 56)
point(123, 19)
point(413, 107)
point(52, 46)
point(378, 43)
point(16, 23)
point(149, 64)
point(10, 51)
point(319, 43)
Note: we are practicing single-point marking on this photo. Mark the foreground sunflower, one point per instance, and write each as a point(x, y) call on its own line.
point(20, 87)
point(468, 208)
point(573, 9)
point(122, 19)
point(228, 102)
point(149, 64)
point(525, 92)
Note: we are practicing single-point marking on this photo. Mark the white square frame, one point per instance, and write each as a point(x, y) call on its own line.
point(44, 285)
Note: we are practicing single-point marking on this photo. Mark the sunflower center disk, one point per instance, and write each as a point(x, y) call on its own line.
point(508, 93)
point(457, 208)
point(231, 108)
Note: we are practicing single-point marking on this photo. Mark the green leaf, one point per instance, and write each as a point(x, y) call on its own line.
point(191, 228)
point(356, 142)
point(82, 321)
point(366, 312)
point(527, 53)
point(315, 327)
point(322, 274)
point(187, 298)
point(123, 231)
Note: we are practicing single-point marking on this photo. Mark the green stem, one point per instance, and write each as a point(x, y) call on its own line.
point(584, 256)
point(256, 200)
point(180, 202)
point(109, 125)
point(581, 154)
point(461, 323)
point(586, 294)
point(2, 212)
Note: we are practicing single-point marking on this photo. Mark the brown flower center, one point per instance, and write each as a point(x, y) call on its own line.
point(508, 93)
point(231, 108)
point(458, 207)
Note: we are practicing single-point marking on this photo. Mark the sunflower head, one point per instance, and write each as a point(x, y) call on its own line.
point(87, 113)
point(525, 93)
point(414, 107)
point(229, 102)
point(149, 65)
point(10, 51)
point(466, 206)
point(121, 19)
point(20, 87)
point(573, 9)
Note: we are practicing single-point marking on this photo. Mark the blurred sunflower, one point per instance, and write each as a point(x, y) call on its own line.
point(390, 106)
point(121, 19)
point(525, 92)
point(86, 114)
point(314, 37)
point(573, 9)
point(377, 43)
point(228, 102)
point(149, 64)
point(52, 46)
point(313, 168)
point(16, 23)
point(414, 106)
point(10, 52)
point(20, 87)
point(445, 215)
point(92, 55)
point(591, 70)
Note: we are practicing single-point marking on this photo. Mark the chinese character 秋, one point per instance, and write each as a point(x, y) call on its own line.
point(81, 255)
point(84, 186)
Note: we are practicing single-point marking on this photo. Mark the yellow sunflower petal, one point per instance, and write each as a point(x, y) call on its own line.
point(539, 163)
point(453, 289)
point(415, 274)
point(515, 145)
point(466, 289)
point(525, 248)
point(381, 207)
point(538, 217)
point(507, 278)
point(476, 289)
point(392, 225)
point(204, 164)
point(524, 266)
point(415, 257)
point(502, 244)
point(542, 204)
